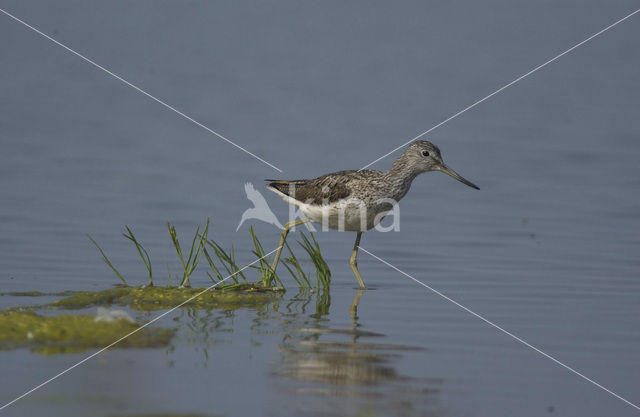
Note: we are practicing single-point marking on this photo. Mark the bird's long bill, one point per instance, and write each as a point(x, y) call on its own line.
point(457, 176)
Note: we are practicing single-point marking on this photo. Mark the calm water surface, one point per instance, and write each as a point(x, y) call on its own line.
point(549, 249)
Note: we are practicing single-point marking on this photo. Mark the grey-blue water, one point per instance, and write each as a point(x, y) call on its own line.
point(549, 249)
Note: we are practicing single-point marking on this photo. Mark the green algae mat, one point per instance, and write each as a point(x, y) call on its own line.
point(71, 333)
point(160, 298)
point(23, 327)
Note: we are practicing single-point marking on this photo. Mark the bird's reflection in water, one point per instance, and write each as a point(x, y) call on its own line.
point(349, 362)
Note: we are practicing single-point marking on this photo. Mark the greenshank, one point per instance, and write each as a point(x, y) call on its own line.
point(358, 200)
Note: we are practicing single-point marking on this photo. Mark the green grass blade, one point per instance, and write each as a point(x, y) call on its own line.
point(107, 261)
point(323, 273)
point(227, 260)
point(264, 263)
point(212, 264)
point(298, 266)
point(176, 243)
point(144, 255)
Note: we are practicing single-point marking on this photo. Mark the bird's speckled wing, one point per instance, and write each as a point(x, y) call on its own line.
point(328, 188)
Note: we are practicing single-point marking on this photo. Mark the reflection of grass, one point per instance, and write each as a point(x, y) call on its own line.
point(222, 263)
point(323, 302)
point(72, 332)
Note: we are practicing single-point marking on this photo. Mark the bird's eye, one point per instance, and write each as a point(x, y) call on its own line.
point(425, 153)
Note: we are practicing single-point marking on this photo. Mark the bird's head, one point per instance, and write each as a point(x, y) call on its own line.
point(424, 156)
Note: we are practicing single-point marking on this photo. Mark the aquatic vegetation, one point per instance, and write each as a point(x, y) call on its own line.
point(66, 333)
point(264, 266)
point(295, 269)
point(159, 298)
point(23, 327)
point(144, 255)
point(107, 261)
point(323, 273)
point(192, 260)
point(223, 266)
point(228, 262)
point(34, 293)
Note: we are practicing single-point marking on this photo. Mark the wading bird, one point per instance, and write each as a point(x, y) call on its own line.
point(358, 200)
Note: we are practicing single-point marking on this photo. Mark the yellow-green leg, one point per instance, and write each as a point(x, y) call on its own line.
point(285, 232)
point(354, 263)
